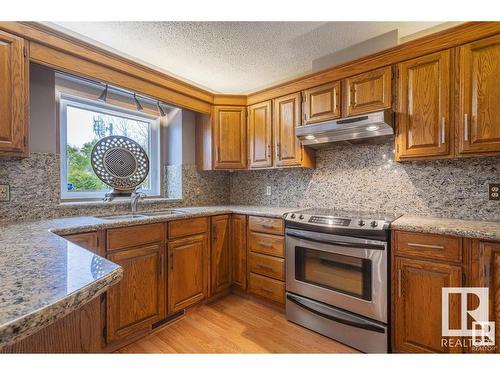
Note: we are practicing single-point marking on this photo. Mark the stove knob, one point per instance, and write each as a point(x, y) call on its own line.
point(361, 223)
point(293, 216)
point(301, 217)
point(373, 224)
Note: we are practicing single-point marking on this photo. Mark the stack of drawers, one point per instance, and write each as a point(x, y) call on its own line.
point(266, 258)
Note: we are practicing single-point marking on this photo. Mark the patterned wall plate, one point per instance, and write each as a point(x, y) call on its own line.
point(120, 162)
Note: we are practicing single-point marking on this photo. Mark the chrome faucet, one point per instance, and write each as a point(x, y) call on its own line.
point(134, 199)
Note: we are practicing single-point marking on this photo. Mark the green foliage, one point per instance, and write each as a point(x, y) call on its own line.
point(80, 172)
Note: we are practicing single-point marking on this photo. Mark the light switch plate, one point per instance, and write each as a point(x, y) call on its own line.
point(494, 192)
point(268, 190)
point(4, 193)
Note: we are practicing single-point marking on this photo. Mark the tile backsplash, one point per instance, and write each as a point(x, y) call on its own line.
point(365, 177)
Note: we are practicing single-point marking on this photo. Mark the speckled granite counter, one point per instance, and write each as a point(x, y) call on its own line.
point(43, 277)
point(487, 230)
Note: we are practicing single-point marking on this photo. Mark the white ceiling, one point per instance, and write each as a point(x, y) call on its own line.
point(242, 57)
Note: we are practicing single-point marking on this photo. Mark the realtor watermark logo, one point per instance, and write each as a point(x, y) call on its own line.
point(481, 333)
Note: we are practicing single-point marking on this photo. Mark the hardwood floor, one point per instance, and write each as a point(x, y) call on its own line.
point(235, 324)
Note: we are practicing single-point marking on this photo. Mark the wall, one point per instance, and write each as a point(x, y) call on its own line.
point(35, 181)
point(365, 177)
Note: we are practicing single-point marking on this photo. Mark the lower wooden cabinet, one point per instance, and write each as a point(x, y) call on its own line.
point(89, 241)
point(138, 300)
point(417, 304)
point(188, 271)
point(220, 257)
point(239, 251)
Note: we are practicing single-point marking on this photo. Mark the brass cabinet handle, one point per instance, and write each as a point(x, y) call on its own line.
point(399, 283)
point(172, 261)
point(439, 247)
point(466, 128)
point(443, 136)
point(264, 267)
point(265, 244)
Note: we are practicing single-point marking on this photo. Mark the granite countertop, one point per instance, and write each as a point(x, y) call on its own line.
point(486, 230)
point(43, 277)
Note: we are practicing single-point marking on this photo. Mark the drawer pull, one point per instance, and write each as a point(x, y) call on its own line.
point(439, 247)
point(466, 128)
point(443, 130)
point(265, 267)
point(265, 244)
point(399, 283)
point(269, 291)
point(268, 226)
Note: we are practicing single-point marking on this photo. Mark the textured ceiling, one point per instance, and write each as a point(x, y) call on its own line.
point(240, 57)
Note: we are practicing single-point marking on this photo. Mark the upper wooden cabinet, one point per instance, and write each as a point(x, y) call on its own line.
point(260, 135)
point(321, 103)
point(367, 92)
point(220, 258)
point(424, 119)
point(13, 96)
point(229, 130)
point(479, 103)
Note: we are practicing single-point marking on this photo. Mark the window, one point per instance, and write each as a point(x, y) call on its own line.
point(82, 123)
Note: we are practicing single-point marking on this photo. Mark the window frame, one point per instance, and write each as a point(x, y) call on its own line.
point(155, 174)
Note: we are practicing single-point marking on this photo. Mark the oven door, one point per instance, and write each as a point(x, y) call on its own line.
point(345, 272)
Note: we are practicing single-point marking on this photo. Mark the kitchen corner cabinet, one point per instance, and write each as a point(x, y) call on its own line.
point(321, 103)
point(424, 118)
point(220, 258)
point(239, 251)
point(479, 97)
point(288, 149)
point(89, 241)
point(367, 92)
point(229, 130)
point(14, 80)
point(260, 147)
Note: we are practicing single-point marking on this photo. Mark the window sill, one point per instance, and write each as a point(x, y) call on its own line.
point(116, 202)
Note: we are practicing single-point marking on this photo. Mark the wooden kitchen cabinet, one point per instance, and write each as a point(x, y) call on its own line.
point(14, 80)
point(89, 241)
point(367, 92)
point(424, 107)
point(230, 134)
point(260, 143)
point(321, 103)
point(417, 304)
point(288, 149)
point(220, 258)
point(188, 271)
point(485, 273)
point(239, 251)
point(138, 300)
point(479, 97)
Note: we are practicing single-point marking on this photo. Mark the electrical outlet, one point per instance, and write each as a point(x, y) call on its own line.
point(494, 192)
point(4, 193)
point(268, 190)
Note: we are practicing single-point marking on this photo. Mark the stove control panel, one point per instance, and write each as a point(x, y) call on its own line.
point(330, 221)
point(339, 222)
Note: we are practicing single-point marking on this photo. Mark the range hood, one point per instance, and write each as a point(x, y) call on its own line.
point(350, 129)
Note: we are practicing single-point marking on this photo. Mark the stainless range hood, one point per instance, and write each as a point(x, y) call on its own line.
point(350, 129)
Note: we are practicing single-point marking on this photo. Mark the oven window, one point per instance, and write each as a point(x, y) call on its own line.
point(341, 273)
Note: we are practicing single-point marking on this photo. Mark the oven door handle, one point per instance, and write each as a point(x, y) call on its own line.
point(338, 243)
point(335, 314)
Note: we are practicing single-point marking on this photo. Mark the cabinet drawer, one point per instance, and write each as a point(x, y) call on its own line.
point(424, 245)
point(187, 227)
point(267, 244)
point(267, 266)
point(266, 287)
point(120, 238)
point(265, 225)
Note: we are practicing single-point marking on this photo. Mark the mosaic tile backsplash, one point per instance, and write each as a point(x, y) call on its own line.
point(365, 177)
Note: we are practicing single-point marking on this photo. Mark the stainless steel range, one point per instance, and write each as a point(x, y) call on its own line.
point(337, 275)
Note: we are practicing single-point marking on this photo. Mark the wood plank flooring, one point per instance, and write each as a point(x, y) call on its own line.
point(235, 324)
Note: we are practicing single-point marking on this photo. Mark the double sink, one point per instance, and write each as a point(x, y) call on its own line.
point(142, 214)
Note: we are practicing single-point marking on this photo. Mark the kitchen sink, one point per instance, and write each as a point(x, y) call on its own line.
point(166, 212)
point(121, 217)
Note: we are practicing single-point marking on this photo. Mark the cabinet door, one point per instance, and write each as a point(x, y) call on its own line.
point(230, 137)
point(260, 135)
point(321, 103)
point(188, 260)
point(220, 258)
point(485, 273)
point(479, 109)
point(13, 96)
point(424, 123)
point(138, 300)
point(239, 251)
point(89, 241)
point(367, 92)
point(417, 304)
point(286, 117)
